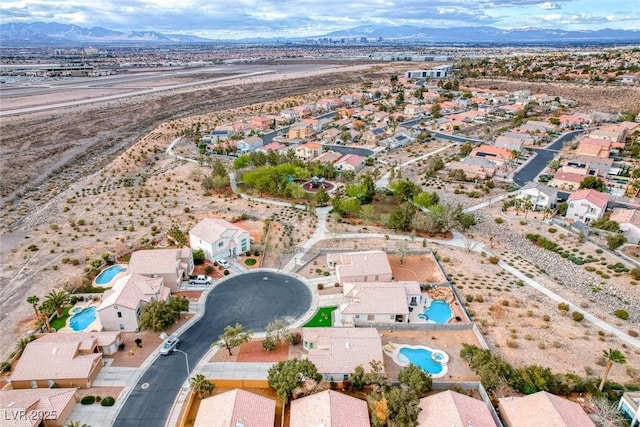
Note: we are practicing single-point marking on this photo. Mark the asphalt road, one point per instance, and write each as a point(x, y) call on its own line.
point(253, 299)
point(544, 155)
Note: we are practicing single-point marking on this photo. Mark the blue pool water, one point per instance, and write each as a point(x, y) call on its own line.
point(79, 321)
point(438, 311)
point(422, 358)
point(108, 274)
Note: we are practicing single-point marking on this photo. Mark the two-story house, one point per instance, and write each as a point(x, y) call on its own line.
point(172, 265)
point(540, 195)
point(219, 238)
point(308, 151)
point(587, 205)
point(122, 305)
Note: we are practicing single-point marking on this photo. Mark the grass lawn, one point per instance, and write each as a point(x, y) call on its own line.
point(61, 322)
point(322, 318)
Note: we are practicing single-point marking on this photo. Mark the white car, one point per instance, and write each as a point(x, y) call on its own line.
point(169, 345)
point(223, 263)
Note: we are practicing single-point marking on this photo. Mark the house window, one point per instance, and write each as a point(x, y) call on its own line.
point(377, 277)
point(345, 377)
point(34, 384)
point(220, 244)
point(122, 326)
point(370, 317)
point(366, 279)
point(119, 314)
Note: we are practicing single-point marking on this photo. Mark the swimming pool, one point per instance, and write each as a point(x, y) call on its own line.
point(438, 311)
point(107, 275)
point(82, 319)
point(429, 360)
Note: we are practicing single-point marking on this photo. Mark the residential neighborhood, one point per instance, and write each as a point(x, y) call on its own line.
point(415, 248)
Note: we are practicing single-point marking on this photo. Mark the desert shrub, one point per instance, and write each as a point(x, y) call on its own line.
point(268, 343)
point(552, 230)
point(494, 259)
point(469, 298)
point(621, 314)
point(512, 344)
point(479, 298)
point(499, 220)
point(294, 338)
point(505, 302)
point(320, 286)
point(226, 272)
point(563, 306)
point(632, 333)
point(88, 400)
point(590, 268)
point(108, 401)
point(546, 318)
point(635, 273)
point(577, 316)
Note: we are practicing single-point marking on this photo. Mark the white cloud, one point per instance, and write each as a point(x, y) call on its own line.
point(549, 5)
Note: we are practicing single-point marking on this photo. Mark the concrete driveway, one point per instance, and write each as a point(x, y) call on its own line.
point(253, 299)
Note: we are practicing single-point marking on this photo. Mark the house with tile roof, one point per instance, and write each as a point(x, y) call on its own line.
point(377, 302)
point(105, 342)
point(541, 196)
point(172, 265)
point(48, 407)
point(629, 220)
point(236, 408)
point(329, 408)
point(350, 162)
point(219, 238)
point(567, 180)
point(272, 146)
point(336, 352)
point(366, 266)
point(452, 409)
point(61, 364)
point(329, 157)
point(121, 305)
point(586, 205)
point(308, 151)
point(497, 154)
point(300, 131)
point(592, 147)
point(542, 409)
point(249, 144)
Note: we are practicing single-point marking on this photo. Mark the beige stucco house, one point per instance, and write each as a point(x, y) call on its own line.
point(48, 407)
point(121, 305)
point(236, 408)
point(329, 408)
point(337, 352)
point(366, 266)
point(452, 409)
point(172, 265)
point(542, 409)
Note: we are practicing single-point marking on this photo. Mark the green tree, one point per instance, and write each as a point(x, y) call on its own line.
point(322, 197)
point(465, 149)
point(611, 356)
point(175, 234)
point(426, 199)
point(554, 164)
point(285, 376)
point(415, 379)
point(201, 385)
point(436, 111)
point(402, 217)
point(233, 336)
point(198, 256)
point(55, 300)
point(178, 304)
point(157, 316)
point(356, 379)
point(367, 213)
point(242, 162)
point(394, 407)
point(616, 240)
point(562, 208)
point(594, 183)
point(404, 190)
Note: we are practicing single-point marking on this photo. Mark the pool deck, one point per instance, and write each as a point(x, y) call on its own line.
point(93, 326)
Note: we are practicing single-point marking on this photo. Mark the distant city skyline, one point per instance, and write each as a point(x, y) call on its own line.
point(304, 18)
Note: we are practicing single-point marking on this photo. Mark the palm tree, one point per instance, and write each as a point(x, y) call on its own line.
point(34, 300)
point(55, 300)
point(612, 356)
point(200, 384)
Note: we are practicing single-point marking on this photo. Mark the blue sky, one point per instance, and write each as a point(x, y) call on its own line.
point(288, 18)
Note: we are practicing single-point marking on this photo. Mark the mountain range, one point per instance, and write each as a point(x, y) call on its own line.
point(55, 33)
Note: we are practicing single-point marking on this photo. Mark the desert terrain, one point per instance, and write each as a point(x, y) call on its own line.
point(95, 179)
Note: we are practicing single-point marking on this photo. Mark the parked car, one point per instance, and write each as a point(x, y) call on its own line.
point(169, 345)
point(199, 280)
point(223, 263)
